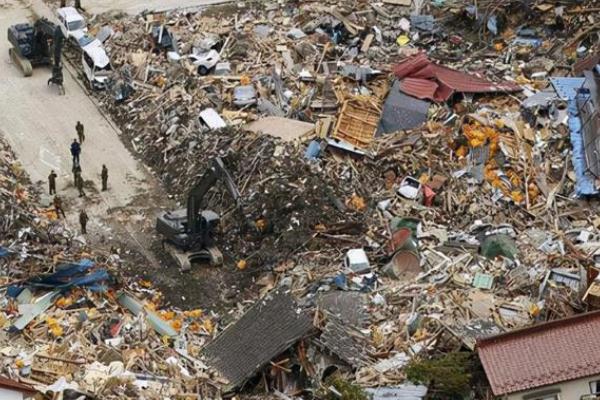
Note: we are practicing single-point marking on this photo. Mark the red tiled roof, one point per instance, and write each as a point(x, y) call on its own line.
point(543, 354)
point(16, 386)
point(419, 88)
point(410, 65)
point(424, 79)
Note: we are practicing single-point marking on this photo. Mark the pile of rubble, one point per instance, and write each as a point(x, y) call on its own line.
point(71, 326)
point(414, 175)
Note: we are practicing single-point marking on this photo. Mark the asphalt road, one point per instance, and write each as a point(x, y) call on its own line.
point(137, 6)
point(39, 124)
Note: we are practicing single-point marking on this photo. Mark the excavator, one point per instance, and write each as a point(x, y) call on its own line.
point(188, 233)
point(36, 44)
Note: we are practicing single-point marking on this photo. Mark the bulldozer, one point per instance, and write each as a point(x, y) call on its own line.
point(188, 233)
point(37, 44)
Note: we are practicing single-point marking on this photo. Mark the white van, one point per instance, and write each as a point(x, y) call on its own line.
point(72, 23)
point(96, 66)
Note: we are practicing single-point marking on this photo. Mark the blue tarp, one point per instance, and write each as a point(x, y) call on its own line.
point(584, 186)
point(3, 252)
point(566, 88)
point(66, 277)
point(313, 150)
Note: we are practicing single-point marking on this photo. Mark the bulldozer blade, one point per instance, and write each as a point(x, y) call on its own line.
point(23, 63)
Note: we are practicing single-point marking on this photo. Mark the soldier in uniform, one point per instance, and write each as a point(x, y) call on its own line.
point(104, 178)
point(83, 219)
point(58, 207)
point(80, 134)
point(52, 182)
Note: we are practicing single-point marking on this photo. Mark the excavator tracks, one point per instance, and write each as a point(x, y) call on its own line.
point(23, 63)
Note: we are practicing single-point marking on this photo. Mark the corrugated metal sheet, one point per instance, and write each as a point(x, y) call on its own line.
point(469, 83)
point(401, 392)
point(410, 65)
point(589, 109)
point(567, 88)
point(585, 182)
point(425, 79)
point(419, 88)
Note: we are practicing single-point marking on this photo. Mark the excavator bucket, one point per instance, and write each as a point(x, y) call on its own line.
point(185, 259)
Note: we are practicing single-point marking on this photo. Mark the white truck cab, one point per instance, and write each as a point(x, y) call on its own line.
point(72, 23)
point(96, 66)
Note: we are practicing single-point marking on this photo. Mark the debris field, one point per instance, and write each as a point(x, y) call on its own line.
point(414, 176)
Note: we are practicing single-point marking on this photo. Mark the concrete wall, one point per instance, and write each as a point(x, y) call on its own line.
point(571, 390)
point(6, 394)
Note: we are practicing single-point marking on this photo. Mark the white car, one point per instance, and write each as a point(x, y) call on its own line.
point(205, 61)
point(72, 23)
point(96, 66)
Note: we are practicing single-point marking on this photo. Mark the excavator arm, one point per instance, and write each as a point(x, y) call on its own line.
point(43, 31)
point(217, 171)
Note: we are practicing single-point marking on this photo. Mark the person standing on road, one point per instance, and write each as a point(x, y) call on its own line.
point(83, 219)
point(76, 172)
point(79, 184)
point(80, 133)
point(58, 207)
point(104, 178)
point(75, 151)
point(52, 182)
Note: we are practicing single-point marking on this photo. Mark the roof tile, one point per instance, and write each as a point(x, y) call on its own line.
point(418, 75)
point(543, 354)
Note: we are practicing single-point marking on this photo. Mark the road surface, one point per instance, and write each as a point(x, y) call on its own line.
point(39, 124)
point(137, 6)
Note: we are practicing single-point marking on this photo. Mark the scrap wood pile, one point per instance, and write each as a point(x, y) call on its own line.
point(71, 326)
point(443, 197)
point(16, 206)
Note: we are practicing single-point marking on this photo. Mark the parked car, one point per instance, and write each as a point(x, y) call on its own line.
point(72, 23)
point(244, 95)
point(88, 40)
point(96, 66)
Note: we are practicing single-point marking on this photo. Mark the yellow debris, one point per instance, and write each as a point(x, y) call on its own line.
point(167, 315)
point(195, 327)
point(64, 302)
point(145, 283)
point(194, 313)
point(402, 40)
point(517, 196)
point(357, 203)
point(245, 80)
point(54, 326)
point(176, 324)
point(208, 326)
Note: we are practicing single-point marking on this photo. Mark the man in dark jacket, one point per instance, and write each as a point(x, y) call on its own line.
point(75, 151)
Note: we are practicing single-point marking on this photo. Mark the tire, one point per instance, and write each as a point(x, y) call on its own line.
point(202, 70)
